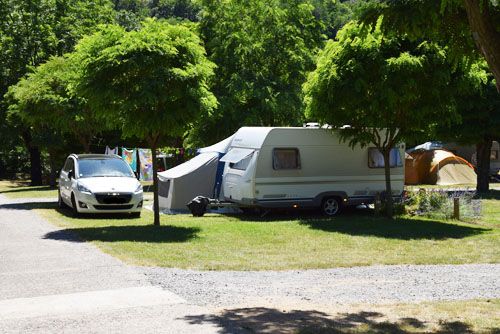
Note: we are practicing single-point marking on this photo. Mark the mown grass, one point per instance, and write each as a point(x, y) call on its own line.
point(284, 241)
point(21, 189)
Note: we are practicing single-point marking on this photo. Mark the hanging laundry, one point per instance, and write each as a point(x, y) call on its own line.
point(109, 150)
point(130, 157)
point(146, 160)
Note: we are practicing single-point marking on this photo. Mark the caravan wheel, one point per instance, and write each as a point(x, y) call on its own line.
point(330, 206)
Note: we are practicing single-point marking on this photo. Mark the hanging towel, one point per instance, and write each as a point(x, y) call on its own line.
point(130, 157)
point(109, 150)
point(146, 161)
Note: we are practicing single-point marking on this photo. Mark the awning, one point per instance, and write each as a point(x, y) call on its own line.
point(236, 155)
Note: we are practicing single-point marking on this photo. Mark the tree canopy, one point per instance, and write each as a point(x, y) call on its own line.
point(263, 52)
point(460, 24)
point(387, 89)
point(151, 82)
point(46, 99)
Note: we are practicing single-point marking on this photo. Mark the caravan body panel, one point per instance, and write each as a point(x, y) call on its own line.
point(301, 167)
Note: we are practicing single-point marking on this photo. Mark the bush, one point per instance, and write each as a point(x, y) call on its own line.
point(439, 204)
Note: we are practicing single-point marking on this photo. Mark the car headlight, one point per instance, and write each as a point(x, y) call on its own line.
point(139, 189)
point(82, 188)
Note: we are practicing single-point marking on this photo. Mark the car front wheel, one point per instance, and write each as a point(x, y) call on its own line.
point(74, 208)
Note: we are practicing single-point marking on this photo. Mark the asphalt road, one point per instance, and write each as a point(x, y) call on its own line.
point(53, 286)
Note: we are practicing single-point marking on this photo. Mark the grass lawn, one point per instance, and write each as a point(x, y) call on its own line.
point(21, 189)
point(217, 242)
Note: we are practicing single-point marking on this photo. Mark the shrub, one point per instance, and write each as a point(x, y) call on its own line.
point(439, 204)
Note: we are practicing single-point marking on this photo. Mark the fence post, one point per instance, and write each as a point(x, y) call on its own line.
point(456, 208)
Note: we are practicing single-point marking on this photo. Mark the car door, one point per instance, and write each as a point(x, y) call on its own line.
point(65, 181)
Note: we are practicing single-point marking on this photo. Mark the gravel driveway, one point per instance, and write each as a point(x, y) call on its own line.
point(313, 288)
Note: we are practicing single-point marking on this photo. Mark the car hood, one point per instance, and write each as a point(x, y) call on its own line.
point(110, 184)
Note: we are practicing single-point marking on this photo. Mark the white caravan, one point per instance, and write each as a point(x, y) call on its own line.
point(272, 167)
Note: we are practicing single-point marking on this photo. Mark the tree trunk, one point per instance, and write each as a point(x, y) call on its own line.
point(485, 35)
point(483, 151)
point(35, 159)
point(35, 166)
point(53, 168)
point(156, 206)
point(388, 188)
point(85, 142)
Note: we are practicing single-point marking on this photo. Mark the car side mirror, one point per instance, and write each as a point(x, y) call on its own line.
point(71, 174)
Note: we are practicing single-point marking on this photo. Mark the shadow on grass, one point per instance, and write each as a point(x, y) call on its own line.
point(492, 194)
point(362, 222)
point(140, 233)
point(66, 211)
point(398, 228)
point(30, 205)
point(25, 189)
point(268, 320)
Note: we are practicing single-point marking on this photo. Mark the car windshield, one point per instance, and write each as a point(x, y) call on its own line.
point(103, 168)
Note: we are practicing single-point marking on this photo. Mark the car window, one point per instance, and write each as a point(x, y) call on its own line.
point(66, 165)
point(103, 167)
point(69, 165)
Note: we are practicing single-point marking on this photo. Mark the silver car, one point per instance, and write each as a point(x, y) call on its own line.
point(99, 183)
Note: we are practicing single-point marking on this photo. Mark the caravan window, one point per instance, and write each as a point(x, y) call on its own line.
point(242, 164)
point(376, 159)
point(286, 158)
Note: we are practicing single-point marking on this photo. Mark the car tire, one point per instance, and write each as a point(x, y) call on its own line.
point(60, 201)
point(331, 206)
point(74, 208)
point(135, 215)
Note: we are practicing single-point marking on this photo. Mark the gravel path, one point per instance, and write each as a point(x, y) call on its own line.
point(374, 284)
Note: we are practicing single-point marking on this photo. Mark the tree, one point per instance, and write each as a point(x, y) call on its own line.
point(387, 89)
point(460, 24)
point(32, 31)
point(335, 14)
point(151, 82)
point(478, 105)
point(46, 99)
point(263, 50)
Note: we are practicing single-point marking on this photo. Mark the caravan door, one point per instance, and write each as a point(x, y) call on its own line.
point(238, 174)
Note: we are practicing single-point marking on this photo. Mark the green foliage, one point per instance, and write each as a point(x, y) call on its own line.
point(442, 21)
point(32, 31)
point(439, 204)
point(46, 99)
point(263, 50)
point(469, 28)
point(478, 105)
point(372, 81)
point(151, 82)
point(336, 13)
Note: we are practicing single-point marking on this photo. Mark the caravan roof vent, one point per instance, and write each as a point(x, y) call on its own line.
point(311, 125)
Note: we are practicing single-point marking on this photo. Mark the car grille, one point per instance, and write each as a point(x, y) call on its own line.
point(113, 198)
point(113, 207)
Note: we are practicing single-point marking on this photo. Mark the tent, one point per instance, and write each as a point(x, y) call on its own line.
point(437, 167)
point(202, 175)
